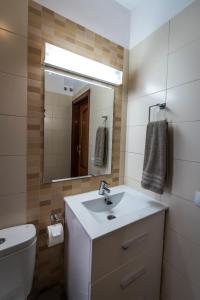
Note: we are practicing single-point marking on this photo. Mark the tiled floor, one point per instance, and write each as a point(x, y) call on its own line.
point(55, 293)
point(49, 295)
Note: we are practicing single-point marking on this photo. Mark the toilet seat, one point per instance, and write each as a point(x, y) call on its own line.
point(16, 238)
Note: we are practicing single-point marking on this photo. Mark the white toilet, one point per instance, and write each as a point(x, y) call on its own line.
point(17, 261)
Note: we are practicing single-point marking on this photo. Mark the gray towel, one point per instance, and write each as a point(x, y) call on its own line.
point(155, 158)
point(101, 146)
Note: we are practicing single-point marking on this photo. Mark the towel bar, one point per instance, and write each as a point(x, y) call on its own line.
point(160, 105)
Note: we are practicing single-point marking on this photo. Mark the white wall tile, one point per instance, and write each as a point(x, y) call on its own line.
point(184, 65)
point(13, 135)
point(13, 110)
point(183, 255)
point(183, 102)
point(183, 217)
point(12, 175)
point(138, 109)
point(148, 64)
point(134, 166)
point(184, 28)
point(12, 210)
point(13, 95)
point(13, 54)
point(136, 136)
point(137, 186)
point(178, 287)
point(185, 179)
point(186, 142)
point(181, 280)
point(14, 16)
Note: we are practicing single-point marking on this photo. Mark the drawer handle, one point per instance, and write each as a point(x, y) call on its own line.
point(134, 241)
point(132, 278)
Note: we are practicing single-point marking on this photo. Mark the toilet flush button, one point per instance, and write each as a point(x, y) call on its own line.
point(197, 198)
point(2, 240)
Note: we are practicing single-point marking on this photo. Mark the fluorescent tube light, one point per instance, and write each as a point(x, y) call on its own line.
point(66, 60)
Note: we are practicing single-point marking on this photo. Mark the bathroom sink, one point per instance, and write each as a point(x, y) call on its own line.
point(98, 217)
point(122, 204)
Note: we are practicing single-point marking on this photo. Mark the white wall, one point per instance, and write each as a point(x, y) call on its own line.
point(57, 136)
point(166, 67)
point(106, 17)
point(13, 111)
point(150, 15)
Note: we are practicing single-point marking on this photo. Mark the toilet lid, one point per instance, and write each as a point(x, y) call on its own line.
point(16, 238)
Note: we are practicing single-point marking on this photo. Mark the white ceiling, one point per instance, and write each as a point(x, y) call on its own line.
point(130, 4)
point(95, 15)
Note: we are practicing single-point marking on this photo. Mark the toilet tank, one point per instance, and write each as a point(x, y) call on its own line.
point(17, 261)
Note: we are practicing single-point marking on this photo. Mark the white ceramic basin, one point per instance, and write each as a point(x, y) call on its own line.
point(127, 206)
point(122, 204)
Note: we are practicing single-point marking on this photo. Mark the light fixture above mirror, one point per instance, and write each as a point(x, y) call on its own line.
point(74, 63)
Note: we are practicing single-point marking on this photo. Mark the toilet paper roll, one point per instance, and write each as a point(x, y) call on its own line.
point(55, 234)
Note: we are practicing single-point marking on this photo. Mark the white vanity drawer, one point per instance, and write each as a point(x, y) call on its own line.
point(126, 283)
point(139, 279)
point(136, 240)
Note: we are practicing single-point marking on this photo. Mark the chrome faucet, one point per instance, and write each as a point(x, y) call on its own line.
point(104, 190)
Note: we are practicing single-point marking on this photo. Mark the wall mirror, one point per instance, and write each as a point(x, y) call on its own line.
point(78, 125)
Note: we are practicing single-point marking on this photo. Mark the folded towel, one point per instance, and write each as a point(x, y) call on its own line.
point(101, 147)
point(155, 158)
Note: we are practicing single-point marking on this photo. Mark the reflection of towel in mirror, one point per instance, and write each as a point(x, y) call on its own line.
point(155, 158)
point(101, 147)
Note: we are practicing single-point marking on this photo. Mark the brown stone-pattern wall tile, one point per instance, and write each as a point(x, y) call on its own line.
point(42, 199)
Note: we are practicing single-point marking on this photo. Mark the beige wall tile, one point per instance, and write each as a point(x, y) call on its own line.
point(13, 135)
point(184, 28)
point(12, 175)
point(43, 27)
point(13, 95)
point(12, 210)
point(14, 16)
point(184, 65)
point(13, 54)
point(183, 102)
point(148, 64)
point(123, 139)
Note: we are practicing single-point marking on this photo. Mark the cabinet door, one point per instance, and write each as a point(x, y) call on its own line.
point(121, 246)
point(126, 283)
point(139, 279)
point(77, 258)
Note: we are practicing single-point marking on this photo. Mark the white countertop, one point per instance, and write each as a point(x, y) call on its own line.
point(96, 229)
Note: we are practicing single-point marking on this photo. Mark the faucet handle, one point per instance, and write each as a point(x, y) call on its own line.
point(103, 187)
point(106, 187)
point(105, 183)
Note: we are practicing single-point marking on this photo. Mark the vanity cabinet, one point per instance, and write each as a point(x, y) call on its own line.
point(124, 264)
